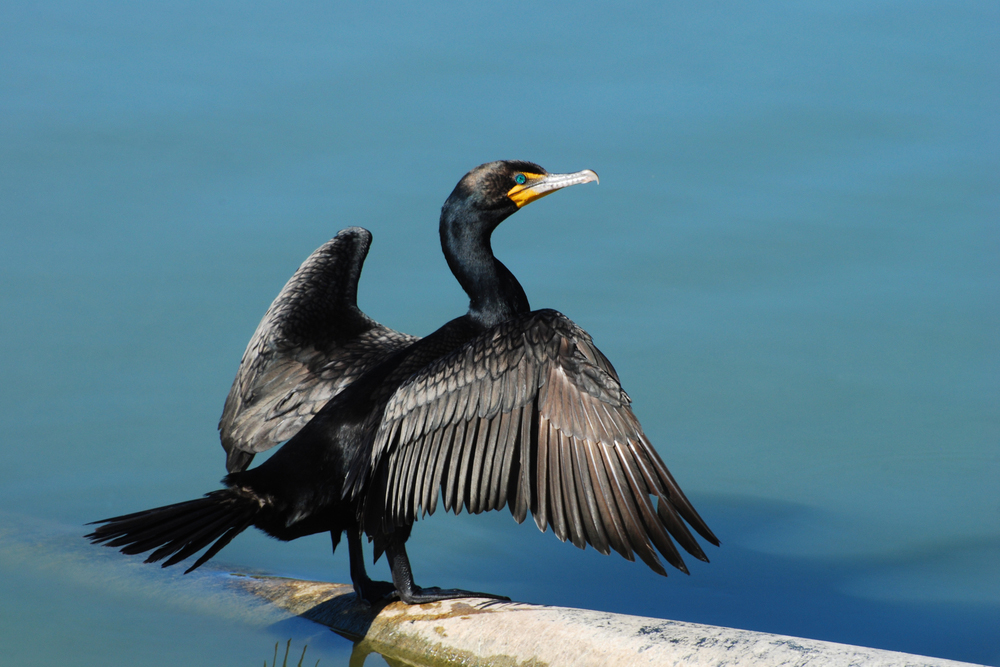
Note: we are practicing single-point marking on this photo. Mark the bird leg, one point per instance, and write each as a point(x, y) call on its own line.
point(372, 592)
point(409, 592)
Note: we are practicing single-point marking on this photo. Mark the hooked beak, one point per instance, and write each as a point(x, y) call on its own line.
point(539, 185)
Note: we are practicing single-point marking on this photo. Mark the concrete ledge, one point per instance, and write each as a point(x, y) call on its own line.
point(475, 632)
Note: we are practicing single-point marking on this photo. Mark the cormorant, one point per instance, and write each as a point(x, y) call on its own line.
point(503, 406)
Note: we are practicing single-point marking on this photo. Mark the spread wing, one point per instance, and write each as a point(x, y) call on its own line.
point(531, 414)
point(312, 342)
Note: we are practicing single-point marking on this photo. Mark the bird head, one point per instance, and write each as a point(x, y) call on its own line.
point(510, 184)
point(493, 191)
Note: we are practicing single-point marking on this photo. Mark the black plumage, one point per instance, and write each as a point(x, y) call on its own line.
point(502, 406)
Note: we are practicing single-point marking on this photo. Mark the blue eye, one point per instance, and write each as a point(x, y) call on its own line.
point(520, 179)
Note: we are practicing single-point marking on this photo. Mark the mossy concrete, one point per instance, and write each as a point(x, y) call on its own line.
point(474, 632)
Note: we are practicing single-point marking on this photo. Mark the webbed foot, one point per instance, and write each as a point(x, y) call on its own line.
point(418, 595)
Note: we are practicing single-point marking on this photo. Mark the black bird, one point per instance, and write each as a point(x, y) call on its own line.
point(503, 406)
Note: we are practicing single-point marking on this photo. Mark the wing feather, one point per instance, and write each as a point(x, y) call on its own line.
point(571, 507)
point(405, 499)
point(440, 466)
point(451, 483)
point(527, 496)
point(670, 520)
point(477, 464)
point(484, 478)
point(556, 510)
point(543, 474)
point(500, 472)
point(587, 497)
point(425, 489)
point(637, 538)
point(654, 528)
point(610, 518)
point(392, 478)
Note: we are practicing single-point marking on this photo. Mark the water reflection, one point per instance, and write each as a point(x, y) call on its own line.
point(364, 655)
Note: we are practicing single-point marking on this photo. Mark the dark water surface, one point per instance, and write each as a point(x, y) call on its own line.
point(791, 259)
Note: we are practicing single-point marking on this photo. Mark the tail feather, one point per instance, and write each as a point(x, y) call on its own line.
point(141, 539)
point(126, 522)
point(180, 530)
point(180, 548)
point(151, 538)
point(220, 543)
point(175, 526)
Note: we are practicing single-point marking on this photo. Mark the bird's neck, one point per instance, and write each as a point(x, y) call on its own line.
point(494, 293)
point(497, 297)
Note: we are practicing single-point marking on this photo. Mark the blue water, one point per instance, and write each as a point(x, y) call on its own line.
point(792, 260)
